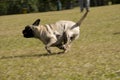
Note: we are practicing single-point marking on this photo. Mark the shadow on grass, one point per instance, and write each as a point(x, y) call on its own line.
point(28, 56)
point(116, 33)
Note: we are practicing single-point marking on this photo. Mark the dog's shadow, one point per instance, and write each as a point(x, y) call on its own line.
point(28, 56)
point(116, 33)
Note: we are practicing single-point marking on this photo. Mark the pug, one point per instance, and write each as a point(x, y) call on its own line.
point(59, 34)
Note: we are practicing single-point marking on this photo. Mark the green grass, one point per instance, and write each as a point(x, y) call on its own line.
point(94, 56)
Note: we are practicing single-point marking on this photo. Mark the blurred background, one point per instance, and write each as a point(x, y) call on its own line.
point(29, 6)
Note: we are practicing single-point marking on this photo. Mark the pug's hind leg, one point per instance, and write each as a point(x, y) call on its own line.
point(67, 42)
point(66, 48)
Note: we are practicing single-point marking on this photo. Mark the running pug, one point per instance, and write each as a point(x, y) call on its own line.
point(59, 34)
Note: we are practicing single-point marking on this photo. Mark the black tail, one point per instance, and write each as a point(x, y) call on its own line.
point(81, 19)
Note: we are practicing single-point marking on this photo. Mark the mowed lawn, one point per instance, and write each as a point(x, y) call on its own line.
point(94, 56)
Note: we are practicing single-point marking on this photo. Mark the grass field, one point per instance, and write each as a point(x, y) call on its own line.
point(94, 56)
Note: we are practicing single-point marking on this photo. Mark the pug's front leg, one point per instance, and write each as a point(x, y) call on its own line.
point(48, 50)
point(47, 47)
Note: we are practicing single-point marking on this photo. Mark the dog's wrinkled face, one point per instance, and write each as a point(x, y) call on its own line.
point(28, 32)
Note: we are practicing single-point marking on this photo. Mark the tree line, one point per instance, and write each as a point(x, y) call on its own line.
point(27, 6)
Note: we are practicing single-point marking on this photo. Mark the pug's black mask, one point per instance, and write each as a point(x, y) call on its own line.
point(27, 32)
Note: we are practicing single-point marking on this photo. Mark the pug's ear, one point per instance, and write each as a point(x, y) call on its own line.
point(37, 22)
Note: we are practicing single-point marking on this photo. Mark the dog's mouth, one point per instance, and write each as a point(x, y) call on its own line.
point(25, 35)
